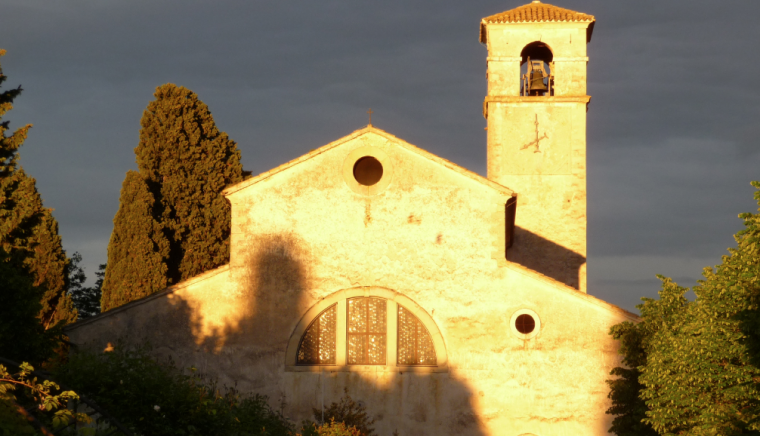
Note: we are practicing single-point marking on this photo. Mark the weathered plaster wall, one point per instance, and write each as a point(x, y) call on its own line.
point(434, 235)
point(551, 185)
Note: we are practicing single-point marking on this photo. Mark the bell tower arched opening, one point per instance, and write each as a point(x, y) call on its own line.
point(536, 68)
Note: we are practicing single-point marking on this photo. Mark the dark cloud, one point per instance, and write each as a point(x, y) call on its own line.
point(672, 127)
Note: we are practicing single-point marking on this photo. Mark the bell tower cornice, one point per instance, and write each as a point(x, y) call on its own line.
point(532, 100)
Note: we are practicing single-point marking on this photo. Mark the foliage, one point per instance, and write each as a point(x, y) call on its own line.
point(635, 341)
point(42, 403)
point(695, 365)
point(86, 299)
point(157, 399)
point(138, 249)
point(346, 411)
point(331, 428)
point(9, 143)
point(28, 231)
point(22, 337)
point(185, 162)
point(700, 377)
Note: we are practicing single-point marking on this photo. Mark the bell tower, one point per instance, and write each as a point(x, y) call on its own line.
point(536, 111)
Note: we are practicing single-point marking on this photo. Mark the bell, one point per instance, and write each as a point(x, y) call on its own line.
point(537, 82)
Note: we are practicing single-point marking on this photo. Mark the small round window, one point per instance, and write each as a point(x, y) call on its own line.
point(368, 171)
point(525, 324)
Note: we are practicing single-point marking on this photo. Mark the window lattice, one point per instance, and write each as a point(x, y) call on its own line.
point(415, 347)
point(366, 331)
point(317, 345)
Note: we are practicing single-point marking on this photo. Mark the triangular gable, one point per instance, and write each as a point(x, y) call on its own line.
point(370, 129)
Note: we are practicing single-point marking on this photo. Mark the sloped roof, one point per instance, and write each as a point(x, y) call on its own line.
point(536, 12)
point(371, 129)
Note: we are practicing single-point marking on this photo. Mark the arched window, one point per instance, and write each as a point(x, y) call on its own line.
point(358, 327)
point(317, 346)
point(366, 331)
point(536, 67)
point(415, 347)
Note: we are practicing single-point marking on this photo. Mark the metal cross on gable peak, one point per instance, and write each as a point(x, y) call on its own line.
point(537, 140)
point(370, 116)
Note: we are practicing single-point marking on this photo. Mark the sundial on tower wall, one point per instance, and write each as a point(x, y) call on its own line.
point(536, 139)
point(536, 142)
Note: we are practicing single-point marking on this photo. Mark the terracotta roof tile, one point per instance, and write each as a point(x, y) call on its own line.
point(537, 12)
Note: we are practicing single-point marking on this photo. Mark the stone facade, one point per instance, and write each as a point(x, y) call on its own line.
point(429, 237)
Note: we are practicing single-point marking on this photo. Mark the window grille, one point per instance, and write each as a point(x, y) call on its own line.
point(317, 345)
point(366, 331)
point(415, 346)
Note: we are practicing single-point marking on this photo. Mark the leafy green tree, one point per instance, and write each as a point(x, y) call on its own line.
point(86, 299)
point(38, 402)
point(701, 376)
point(635, 339)
point(187, 162)
point(28, 231)
point(138, 249)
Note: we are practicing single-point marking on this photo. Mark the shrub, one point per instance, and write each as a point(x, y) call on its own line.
point(331, 428)
point(25, 400)
point(348, 412)
point(157, 398)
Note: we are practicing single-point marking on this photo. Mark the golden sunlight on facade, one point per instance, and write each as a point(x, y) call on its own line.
point(448, 303)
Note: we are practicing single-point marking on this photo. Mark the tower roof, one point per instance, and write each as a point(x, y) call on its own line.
point(537, 12)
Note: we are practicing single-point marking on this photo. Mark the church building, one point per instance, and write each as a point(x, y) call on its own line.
point(446, 302)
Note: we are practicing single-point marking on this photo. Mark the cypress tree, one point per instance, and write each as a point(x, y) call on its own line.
point(187, 162)
point(138, 249)
point(22, 336)
point(28, 231)
point(9, 144)
point(184, 163)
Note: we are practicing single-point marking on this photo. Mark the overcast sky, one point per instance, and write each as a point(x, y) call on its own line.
point(672, 126)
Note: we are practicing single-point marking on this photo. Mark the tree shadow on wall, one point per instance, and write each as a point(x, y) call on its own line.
point(249, 350)
point(546, 257)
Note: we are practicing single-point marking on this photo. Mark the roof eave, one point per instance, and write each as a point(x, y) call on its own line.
point(484, 23)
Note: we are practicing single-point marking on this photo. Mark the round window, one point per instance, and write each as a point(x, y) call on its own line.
point(368, 171)
point(525, 323)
